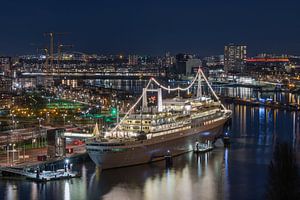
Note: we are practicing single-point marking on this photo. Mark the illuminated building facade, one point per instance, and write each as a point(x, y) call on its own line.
point(235, 58)
point(5, 65)
point(271, 64)
point(132, 60)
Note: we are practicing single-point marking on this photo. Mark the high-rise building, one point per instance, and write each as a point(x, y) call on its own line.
point(5, 72)
point(169, 60)
point(235, 58)
point(5, 65)
point(5, 84)
point(133, 60)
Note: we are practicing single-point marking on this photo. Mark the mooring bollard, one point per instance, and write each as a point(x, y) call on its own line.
point(226, 140)
point(168, 159)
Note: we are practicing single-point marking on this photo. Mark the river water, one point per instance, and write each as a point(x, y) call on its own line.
point(237, 172)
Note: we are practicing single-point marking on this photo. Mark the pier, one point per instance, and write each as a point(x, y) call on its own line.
point(55, 169)
point(38, 176)
point(262, 102)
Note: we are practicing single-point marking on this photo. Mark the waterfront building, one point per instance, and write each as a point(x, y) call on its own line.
point(214, 61)
point(169, 59)
point(268, 63)
point(185, 64)
point(235, 58)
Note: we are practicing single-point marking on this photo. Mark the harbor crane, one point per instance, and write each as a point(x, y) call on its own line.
point(52, 37)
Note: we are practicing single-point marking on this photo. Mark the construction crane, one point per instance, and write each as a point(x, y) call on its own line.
point(60, 49)
point(52, 36)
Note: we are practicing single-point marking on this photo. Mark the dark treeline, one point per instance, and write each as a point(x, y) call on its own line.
point(283, 180)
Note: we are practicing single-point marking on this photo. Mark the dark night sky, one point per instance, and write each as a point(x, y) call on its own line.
point(152, 26)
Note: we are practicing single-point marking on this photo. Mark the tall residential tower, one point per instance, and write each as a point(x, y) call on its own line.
point(235, 58)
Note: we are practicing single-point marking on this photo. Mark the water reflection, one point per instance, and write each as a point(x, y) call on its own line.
point(232, 173)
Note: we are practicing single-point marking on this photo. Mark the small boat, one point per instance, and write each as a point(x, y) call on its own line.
point(51, 175)
point(203, 147)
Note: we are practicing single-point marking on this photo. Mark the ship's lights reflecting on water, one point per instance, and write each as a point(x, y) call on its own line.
point(226, 176)
point(199, 167)
point(34, 191)
point(12, 192)
point(166, 186)
point(67, 191)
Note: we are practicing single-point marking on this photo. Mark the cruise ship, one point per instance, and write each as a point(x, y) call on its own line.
point(170, 128)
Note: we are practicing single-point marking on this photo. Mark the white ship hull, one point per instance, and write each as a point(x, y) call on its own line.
point(156, 148)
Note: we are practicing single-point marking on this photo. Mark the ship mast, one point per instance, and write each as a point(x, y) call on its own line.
point(199, 89)
point(143, 96)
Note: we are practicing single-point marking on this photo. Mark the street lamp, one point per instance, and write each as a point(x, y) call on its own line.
point(40, 121)
point(64, 117)
point(67, 162)
point(7, 150)
point(33, 141)
point(13, 151)
point(47, 117)
point(40, 126)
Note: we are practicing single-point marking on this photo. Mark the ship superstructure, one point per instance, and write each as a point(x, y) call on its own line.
point(171, 127)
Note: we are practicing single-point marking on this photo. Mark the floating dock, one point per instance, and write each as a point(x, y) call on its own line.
point(38, 176)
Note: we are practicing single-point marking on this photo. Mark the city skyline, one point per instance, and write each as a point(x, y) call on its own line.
point(139, 27)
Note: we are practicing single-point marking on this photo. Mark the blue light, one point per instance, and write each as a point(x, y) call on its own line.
point(262, 100)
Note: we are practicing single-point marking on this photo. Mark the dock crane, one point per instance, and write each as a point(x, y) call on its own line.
point(52, 36)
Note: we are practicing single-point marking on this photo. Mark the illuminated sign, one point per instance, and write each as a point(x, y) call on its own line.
point(268, 60)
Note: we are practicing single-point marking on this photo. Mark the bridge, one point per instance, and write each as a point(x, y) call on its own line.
point(90, 75)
